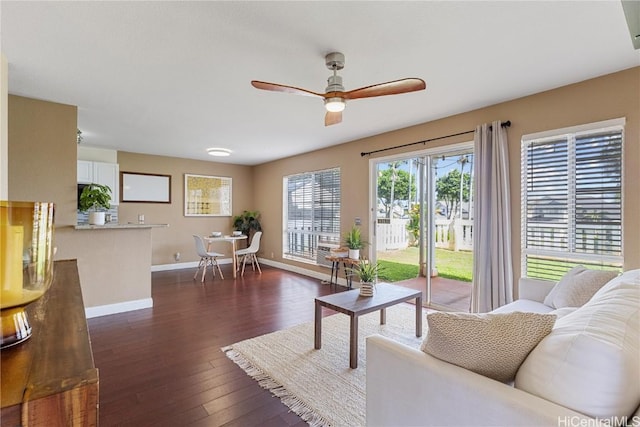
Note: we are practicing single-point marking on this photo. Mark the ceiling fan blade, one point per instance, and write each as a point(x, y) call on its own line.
point(275, 87)
point(332, 118)
point(390, 88)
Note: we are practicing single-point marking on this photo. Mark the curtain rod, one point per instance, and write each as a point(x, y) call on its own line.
point(504, 125)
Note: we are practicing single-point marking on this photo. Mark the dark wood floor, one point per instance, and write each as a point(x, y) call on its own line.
point(163, 366)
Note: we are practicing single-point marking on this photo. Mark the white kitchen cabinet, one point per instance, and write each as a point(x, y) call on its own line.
point(101, 173)
point(85, 172)
point(108, 174)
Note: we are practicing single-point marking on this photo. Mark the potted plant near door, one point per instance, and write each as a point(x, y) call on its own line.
point(367, 272)
point(248, 222)
point(353, 240)
point(95, 199)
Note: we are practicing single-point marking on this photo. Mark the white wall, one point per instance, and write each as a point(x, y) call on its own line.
point(97, 154)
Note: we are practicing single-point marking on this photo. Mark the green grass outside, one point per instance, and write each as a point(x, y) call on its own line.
point(395, 271)
point(403, 264)
point(546, 268)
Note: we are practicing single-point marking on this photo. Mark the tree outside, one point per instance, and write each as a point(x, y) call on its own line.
point(413, 226)
point(394, 184)
point(448, 190)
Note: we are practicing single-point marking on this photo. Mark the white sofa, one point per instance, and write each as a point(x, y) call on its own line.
point(407, 387)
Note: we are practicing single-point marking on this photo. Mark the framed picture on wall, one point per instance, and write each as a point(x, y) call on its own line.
point(207, 195)
point(145, 187)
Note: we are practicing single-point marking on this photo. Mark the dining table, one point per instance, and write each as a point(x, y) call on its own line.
point(230, 239)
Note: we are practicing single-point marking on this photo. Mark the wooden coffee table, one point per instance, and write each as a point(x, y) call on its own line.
point(354, 305)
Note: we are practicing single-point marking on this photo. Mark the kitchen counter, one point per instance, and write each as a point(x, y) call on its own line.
point(114, 264)
point(116, 226)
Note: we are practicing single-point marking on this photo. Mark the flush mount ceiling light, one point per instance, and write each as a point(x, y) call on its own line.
point(218, 152)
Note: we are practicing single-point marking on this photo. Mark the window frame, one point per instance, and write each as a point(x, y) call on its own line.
point(569, 256)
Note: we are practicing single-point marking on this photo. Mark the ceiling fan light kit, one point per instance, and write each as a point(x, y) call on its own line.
point(335, 96)
point(334, 105)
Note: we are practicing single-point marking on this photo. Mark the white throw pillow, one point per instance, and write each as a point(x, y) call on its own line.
point(590, 362)
point(577, 287)
point(490, 344)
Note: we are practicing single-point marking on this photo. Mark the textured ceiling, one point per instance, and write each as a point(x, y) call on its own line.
point(173, 78)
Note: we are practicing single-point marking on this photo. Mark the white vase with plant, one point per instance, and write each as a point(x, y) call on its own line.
point(367, 272)
point(95, 199)
point(353, 240)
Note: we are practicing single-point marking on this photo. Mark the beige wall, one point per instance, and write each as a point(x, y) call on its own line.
point(42, 155)
point(607, 97)
point(177, 237)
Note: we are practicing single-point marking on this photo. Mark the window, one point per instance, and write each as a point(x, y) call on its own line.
point(572, 200)
point(311, 213)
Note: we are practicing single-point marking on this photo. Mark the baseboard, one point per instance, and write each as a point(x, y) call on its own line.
point(305, 272)
point(294, 269)
point(121, 307)
point(176, 266)
point(181, 265)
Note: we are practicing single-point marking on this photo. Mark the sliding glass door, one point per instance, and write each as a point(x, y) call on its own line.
point(451, 225)
point(423, 223)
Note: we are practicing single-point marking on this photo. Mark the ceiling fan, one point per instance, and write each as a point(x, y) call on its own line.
point(335, 96)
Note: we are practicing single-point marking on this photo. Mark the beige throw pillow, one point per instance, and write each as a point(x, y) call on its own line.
point(577, 287)
point(491, 344)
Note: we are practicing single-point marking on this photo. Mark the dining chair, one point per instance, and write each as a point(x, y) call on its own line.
point(206, 259)
point(250, 253)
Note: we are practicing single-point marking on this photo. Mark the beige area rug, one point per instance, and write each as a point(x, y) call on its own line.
point(318, 385)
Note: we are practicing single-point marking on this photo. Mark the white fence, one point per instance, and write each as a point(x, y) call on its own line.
point(455, 234)
point(392, 234)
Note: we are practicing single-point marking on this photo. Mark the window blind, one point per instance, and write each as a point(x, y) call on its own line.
point(572, 202)
point(312, 213)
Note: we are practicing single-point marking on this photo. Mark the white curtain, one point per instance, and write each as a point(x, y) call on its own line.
point(492, 265)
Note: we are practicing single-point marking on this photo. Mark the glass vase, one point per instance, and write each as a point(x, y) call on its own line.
point(26, 263)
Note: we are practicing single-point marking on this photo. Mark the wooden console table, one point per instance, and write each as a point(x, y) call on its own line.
point(51, 379)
